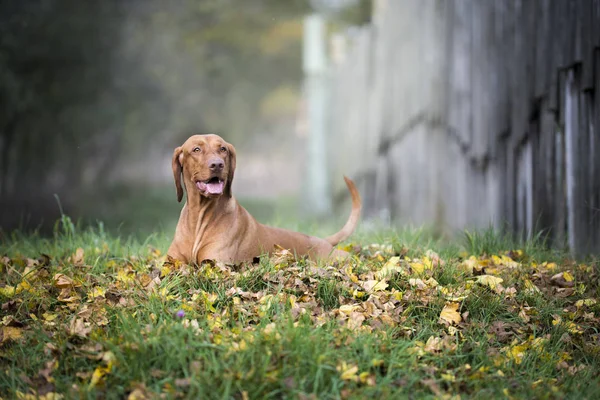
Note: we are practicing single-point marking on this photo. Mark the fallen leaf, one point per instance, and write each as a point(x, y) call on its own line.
point(490, 281)
point(348, 372)
point(563, 280)
point(62, 281)
point(77, 258)
point(450, 314)
point(77, 327)
point(375, 285)
point(433, 345)
point(391, 267)
point(9, 333)
point(585, 302)
point(8, 291)
point(501, 331)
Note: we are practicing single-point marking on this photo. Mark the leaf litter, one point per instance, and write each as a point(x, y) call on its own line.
point(434, 306)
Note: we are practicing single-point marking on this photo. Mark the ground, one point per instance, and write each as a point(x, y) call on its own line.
point(86, 314)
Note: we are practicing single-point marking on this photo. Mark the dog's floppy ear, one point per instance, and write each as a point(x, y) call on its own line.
point(177, 171)
point(231, 170)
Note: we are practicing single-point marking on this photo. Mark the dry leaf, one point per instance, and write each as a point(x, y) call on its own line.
point(77, 258)
point(433, 345)
point(375, 286)
point(9, 333)
point(77, 327)
point(563, 280)
point(490, 281)
point(450, 314)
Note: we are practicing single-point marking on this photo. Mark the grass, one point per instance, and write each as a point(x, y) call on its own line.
point(87, 314)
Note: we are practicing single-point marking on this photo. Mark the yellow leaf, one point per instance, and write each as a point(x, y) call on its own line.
point(97, 376)
point(164, 271)
point(572, 327)
point(49, 317)
point(585, 302)
point(24, 285)
point(9, 333)
point(550, 266)
point(420, 266)
point(389, 268)
point(348, 308)
point(138, 394)
point(397, 295)
point(517, 352)
point(431, 283)
point(125, 275)
point(97, 291)
point(348, 372)
point(7, 291)
point(375, 286)
point(449, 377)
point(417, 267)
point(568, 277)
point(367, 378)
point(449, 314)
point(490, 281)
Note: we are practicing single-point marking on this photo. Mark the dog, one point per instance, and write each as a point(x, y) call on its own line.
point(214, 226)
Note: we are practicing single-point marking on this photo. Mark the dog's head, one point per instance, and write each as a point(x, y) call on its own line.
point(207, 163)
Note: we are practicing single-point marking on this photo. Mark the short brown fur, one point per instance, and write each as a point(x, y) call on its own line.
point(215, 227)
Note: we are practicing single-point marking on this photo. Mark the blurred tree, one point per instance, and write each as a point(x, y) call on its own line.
point(55, 59)
point(88, 87)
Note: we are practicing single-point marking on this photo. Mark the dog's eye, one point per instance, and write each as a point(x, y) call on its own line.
point(223, 149)
point(196, 149)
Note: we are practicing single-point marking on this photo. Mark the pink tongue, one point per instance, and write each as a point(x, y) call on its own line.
point(215, 188)
point(201, 186)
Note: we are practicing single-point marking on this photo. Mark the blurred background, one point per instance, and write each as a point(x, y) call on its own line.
point(451, 114)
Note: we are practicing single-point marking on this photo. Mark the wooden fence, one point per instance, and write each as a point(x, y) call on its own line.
point(466, 113)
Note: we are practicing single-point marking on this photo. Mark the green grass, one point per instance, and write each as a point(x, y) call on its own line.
point(129, 323)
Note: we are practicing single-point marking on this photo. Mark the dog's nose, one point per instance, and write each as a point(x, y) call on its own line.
point(216, 164)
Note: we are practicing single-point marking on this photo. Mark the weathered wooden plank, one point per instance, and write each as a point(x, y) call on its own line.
point(584, 172)
point(546, 165)
point(459, 67)
point(595, 158)
point(596, 23)
point(586, 31)
point(559, 169)
point(542, 46)
point(576, 225)
point(520, 100)
point(479, 81)
point(502, 84)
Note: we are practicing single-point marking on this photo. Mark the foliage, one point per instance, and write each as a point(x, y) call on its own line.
point(88, 315)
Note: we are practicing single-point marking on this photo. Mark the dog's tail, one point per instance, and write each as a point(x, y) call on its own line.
point(347, 230)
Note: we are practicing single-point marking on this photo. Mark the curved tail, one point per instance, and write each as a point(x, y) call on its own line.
point(347, 230)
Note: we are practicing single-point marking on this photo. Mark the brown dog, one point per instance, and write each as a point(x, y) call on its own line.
point(213, 226)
